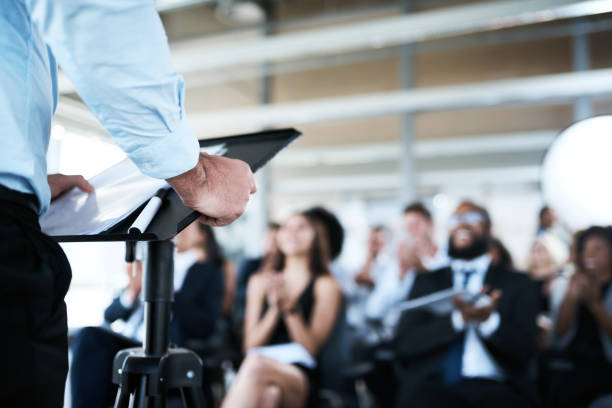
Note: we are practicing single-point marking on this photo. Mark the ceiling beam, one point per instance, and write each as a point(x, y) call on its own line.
point(423, 149)
point(556, 88)
point(392, 181)
point(194, 56)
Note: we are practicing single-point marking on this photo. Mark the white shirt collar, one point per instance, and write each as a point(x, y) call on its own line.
point(479, 265)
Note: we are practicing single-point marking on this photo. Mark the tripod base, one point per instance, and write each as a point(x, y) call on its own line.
point(145, 380)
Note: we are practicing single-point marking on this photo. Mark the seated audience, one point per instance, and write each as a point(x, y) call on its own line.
point(294, 303)
point(419, 227)
point(550, 224)
point(394, 283)
point(546, 258)
point(335, 235)
point(198, 298)
point(376, 259)
point(360, 285)
point(478, 354)
point(583, 324)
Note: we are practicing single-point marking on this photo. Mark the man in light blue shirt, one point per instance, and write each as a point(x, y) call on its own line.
point(115, 52)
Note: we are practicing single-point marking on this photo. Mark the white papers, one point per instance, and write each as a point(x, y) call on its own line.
point(119, 190)
point(290, 353)
point(440, 303)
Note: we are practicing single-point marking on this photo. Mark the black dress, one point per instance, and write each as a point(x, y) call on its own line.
point(281, 336)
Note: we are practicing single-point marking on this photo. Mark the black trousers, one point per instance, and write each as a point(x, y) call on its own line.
point(93, 352)
point(34, 278)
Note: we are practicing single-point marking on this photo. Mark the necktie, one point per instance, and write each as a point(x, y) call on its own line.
point(453, 361)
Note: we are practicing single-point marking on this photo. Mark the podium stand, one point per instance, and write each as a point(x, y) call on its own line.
point(146, 374)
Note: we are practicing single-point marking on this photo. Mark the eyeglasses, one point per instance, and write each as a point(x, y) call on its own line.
point(471, 218)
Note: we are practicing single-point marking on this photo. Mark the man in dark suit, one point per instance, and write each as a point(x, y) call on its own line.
point(476, 356)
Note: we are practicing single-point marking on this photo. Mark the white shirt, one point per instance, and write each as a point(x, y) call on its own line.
point(389, 290)
point(477, 361)
point(357, 295)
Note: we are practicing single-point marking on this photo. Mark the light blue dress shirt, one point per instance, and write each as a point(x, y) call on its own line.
point(116, 54)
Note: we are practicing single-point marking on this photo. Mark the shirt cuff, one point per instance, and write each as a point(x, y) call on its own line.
point(125, 300)
point(457, 321)
point(170, 155)
point(489, 326)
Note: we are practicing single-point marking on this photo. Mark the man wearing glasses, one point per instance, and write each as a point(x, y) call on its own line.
point(477, 355)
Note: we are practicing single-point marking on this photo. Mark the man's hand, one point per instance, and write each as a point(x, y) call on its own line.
point(472, 313)
point(60, 183)
point(217, 187)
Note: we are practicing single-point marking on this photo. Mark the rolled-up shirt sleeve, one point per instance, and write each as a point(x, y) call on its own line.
point(116, 54)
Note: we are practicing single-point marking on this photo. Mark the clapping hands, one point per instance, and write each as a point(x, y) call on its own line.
point(480, 310)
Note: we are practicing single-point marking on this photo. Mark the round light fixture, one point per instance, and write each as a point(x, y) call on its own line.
point(577, 173)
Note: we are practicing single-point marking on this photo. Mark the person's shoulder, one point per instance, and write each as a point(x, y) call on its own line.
point(326, 284)
point(260, 279)
point(515, 277)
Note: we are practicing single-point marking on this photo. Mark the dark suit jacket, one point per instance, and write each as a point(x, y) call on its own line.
point(196, 307)
point(423, 338)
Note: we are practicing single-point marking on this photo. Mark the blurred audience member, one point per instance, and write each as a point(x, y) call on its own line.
point(478, 355)
point(198, 298)
point(334, 230)
point(549, 223)
point(583, 324)
point(418, 225)
point(547, 257)
point(500, 255)
point(376, 260)
point(394, 283)
point(358, 287)
point(295, 304)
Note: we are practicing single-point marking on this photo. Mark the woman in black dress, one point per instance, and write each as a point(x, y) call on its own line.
point(296, 302)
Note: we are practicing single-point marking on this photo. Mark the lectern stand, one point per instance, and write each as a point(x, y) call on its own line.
point(145, 375)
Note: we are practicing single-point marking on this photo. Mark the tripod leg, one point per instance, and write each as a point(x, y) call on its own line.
point(140, 394)
point(194, 397)
point(123, 398)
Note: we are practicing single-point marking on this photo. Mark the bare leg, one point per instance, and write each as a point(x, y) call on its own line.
point(270, 397)
point(264, 382)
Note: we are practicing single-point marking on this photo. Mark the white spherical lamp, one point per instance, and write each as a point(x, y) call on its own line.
point(577, 173)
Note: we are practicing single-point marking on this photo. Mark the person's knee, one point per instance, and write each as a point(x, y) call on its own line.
point(257, 368)
point(84, 338)
point(270, 397)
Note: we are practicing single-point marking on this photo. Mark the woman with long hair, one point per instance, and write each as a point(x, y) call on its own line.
point(583, 324)
point(294, 303)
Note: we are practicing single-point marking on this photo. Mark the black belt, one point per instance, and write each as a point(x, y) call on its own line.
point(11, 199)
